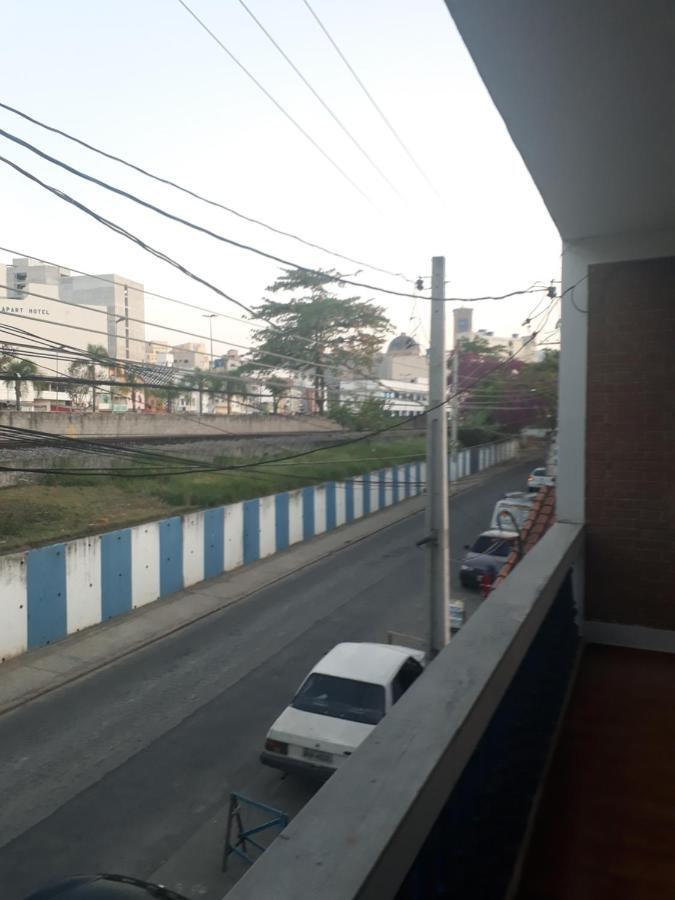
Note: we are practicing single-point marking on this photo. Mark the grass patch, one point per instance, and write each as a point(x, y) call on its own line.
point(68, 506)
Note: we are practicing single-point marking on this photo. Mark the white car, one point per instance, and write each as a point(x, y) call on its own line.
point(338, 705)
point(539, 478)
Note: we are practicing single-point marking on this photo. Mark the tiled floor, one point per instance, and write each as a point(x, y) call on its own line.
point(606, 825)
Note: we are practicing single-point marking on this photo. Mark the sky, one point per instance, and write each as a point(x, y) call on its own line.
point(144, 81)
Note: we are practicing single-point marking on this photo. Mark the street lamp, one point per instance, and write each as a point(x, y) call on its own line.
point(210, 317)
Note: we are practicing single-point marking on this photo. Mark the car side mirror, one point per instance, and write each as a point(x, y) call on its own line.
point(467, 547)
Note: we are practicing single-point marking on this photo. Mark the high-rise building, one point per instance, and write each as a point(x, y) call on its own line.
point(109, 312)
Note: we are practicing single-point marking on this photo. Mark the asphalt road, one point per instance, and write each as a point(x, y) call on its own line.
point(128, 770)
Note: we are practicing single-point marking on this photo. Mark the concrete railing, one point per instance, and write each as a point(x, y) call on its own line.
point(438, 799)
point(51, 592)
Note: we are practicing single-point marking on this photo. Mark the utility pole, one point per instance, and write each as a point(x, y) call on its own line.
point(437, 465)
point(210, 317)
point(454, 406)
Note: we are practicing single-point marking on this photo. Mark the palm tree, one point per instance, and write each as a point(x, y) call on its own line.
point(19, 370)
point(166, 395)
point(96, 355)
point(199, 380)
point(232, 385)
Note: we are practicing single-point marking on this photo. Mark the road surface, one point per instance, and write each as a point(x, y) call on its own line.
point(127, 770)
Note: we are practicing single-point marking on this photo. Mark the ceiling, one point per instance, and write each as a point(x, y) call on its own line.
point(587, 91)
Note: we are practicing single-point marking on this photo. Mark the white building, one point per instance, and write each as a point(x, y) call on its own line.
point(190, 356)
point(45, 305)
point(403, 398)
point(158, 353)
point(522, 344)
point(403, 360)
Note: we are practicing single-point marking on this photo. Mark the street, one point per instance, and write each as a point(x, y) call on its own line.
point(129, 769)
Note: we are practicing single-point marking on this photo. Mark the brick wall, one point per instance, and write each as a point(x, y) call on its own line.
point(630, 443)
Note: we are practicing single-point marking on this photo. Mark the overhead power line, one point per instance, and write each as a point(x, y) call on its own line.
point(282, 109)
point(189, 192)
point(337, 277)
point(323, 103)
point(373, 102)
point(292, 456)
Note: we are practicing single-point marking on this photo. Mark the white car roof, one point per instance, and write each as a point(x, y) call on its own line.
point(375, 663)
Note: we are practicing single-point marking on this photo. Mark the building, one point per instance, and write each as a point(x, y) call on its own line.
point(520, 344)
point(514, 343)
point(533, 759)
point(402, 361)
point(158, 353)
point(190, 356)
point(463, 321)
point(228, 361)
point(45, 305)
point(117, 303)
point(402, 398)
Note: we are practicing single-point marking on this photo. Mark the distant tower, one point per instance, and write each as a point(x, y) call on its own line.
point(463, 321)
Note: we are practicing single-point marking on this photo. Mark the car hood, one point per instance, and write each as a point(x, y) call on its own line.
point(306, 729)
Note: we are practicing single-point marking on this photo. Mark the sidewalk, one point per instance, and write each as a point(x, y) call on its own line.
point(40, 671)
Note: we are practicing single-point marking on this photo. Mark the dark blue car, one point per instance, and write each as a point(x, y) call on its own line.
point(486, 556)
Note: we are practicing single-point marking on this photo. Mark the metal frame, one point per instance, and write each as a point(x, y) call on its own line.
point(244, 835)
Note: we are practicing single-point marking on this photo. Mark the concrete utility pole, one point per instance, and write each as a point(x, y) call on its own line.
point(454, 406)
point(437, 465)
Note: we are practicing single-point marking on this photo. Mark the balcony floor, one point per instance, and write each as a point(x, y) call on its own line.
point(606, 824)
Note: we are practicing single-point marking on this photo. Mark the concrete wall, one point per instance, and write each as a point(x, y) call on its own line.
point(121, 425)
point(53, 591)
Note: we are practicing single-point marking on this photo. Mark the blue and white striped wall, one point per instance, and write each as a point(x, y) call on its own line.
point(48, 593)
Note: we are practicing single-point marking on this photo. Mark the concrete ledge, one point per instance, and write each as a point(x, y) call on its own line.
point(637, 637)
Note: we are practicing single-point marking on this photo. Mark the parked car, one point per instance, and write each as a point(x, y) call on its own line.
point(486, 556)
point(513, 509)
point(538, 478)
point(338, 705)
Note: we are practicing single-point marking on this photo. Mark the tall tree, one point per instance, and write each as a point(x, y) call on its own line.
point(96, 357)
point(18, 370)
point(316, 327)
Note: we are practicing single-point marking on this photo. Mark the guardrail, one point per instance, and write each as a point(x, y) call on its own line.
point(53, 591)
point(438, 798)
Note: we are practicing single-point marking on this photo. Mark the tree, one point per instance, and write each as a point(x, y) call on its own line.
point(316, 328)
point(229, 385)
point(199, 380)
point(478, 344)
point(96, 355)
point(277, 388)
point(18, 370)
point(368, 415)
point(166, 395)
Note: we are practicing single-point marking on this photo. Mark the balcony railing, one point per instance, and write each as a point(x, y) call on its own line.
point(438, 800)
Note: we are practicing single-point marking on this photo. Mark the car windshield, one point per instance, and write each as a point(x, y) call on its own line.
point(343, 698)
point(492, 546)
point(539, 472)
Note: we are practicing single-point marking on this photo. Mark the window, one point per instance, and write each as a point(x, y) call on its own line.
point(410, 671)
point(342, 698)
point(492, 546)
